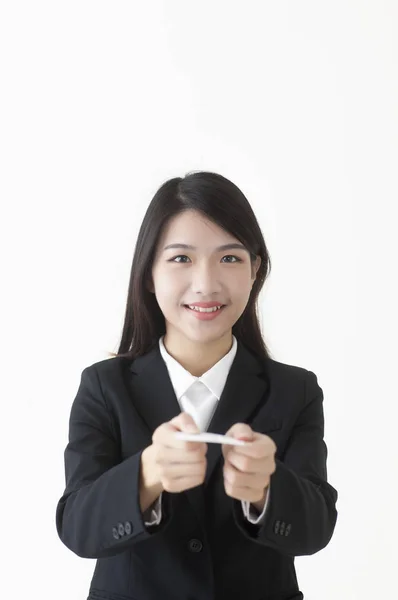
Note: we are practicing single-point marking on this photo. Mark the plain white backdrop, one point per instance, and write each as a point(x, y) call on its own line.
point(296, 103)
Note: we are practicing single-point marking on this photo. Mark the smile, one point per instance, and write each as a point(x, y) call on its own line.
point(205, 314)
point(208, 310)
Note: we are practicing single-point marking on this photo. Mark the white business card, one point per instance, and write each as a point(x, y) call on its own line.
point(212, 438)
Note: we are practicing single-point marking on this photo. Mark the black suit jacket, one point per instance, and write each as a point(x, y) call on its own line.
point(204, 548)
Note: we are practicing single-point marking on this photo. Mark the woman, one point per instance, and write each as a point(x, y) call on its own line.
point(168, 518)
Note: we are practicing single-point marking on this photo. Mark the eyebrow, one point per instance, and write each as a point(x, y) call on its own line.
point(233, 246)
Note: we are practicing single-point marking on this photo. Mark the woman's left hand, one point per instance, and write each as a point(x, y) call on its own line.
point(248, 469)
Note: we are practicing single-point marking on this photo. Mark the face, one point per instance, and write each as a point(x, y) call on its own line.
point(203, 273)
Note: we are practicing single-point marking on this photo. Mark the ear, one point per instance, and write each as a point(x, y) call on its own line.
point(255, 268)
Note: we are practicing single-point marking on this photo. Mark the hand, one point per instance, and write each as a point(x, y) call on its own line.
point(248, 469)
point(180, 465)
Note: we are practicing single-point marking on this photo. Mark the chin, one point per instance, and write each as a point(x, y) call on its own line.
point(206, 336)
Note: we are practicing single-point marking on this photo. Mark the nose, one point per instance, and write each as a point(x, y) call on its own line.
point(205, 280)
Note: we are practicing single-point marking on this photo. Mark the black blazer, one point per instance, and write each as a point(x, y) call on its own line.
point(204, 548)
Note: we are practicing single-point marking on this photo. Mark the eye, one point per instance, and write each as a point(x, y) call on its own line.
point(179, 256)
point(233, 256)
point(237, 259)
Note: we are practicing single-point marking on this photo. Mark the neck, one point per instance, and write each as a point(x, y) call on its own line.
point(197, 357)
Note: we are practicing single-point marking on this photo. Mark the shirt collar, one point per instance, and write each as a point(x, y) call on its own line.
point(214, 378)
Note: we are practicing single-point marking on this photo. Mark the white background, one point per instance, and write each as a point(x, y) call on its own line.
point(296, 102)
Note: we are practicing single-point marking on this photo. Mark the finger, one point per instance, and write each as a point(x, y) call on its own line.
point(241, 431)
point(166, 455)
point(239, 479)
point(185, 422)
point(176, 471)
point(248, 464)
point(182, 483)
point(166, 439)
point(226, 449)
point(262, 447)
point(238, 431)
point(165, 433)
point(244, 482)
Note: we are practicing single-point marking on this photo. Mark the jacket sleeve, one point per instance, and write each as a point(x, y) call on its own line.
point(301, 515)
point(99, 513)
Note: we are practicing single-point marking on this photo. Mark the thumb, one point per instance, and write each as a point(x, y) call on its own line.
point(242, 431)
point(187, 423)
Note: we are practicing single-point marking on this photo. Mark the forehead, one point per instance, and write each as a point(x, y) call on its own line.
point(192, 225)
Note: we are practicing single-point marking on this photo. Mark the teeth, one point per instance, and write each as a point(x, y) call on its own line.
point(213, 309)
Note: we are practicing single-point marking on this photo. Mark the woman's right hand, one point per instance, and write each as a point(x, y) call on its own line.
point(180, 465)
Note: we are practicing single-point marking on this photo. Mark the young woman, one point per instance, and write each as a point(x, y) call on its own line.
point(168, 518)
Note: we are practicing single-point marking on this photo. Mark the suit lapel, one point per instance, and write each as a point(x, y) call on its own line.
point(241, 399)
point(153, 392)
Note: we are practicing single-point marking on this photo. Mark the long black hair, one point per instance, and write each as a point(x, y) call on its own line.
point(222, 202)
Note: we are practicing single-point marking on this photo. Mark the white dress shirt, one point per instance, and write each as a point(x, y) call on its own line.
point(198, 396)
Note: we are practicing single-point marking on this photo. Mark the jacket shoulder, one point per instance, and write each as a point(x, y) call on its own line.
point(297, 376)
point(281, 368)
point(108, 366)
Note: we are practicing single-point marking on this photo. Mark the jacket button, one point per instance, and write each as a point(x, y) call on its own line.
point(115, 533)
point(276, 528)
point(195, 545)
point(120, 529)
point(288, 528)
point(127, 527)
point(282, 529)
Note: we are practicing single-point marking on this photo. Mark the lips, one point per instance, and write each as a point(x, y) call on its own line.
point(205, 304)
point(205, 315)
point(197, 306)
point(217, 308)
